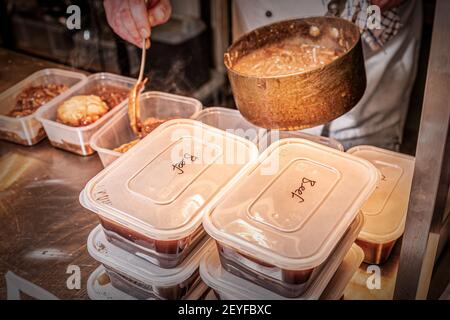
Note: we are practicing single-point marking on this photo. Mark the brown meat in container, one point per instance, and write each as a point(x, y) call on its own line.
point(385, 211)
point(298, 73)
point(20, 103)
point(288, 283)
point(151, 200)
point(281, 223)
point(165, 253)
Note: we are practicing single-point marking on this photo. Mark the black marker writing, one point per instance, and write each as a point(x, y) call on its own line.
point(180, 165)
point(298, 193)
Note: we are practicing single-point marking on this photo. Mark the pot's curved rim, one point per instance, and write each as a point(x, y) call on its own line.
point(314, 70)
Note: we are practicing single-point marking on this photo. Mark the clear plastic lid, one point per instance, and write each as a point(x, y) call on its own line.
point(140, 269)
point(275, 135)
point(385, 211)
point(216, 277)
point(292, 207)
point(231, 121)
point(159, 188)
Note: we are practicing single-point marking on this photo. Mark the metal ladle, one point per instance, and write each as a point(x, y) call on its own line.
point(134, 109)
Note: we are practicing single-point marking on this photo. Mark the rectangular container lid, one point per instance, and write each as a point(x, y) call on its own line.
point(347, 253)
point(159, 188)
point(232, 121)
point(385, 210)
point(293, 206)
point(275, 135)
point(138, 268)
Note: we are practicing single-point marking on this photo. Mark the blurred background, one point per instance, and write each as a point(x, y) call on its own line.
point(182, 58)
point(186, 56)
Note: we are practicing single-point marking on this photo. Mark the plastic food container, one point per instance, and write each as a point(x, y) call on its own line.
point(328, 286)
point(284, 218)
point(76, 139)
point(99, 287)
point(385, 211)
point(344, 274)
point(27, 130)
point(151, 200)
point(231, 121)
point(154, 104)
point(275, 135)
point(142, 279)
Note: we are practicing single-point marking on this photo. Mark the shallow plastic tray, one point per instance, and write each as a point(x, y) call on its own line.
point(117, 131)
point(76, 139)
point(27, 130)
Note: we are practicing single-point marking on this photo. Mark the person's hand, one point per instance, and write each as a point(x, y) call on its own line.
point(132, 19)
point(387, 4)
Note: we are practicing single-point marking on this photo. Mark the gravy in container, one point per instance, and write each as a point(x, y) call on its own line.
point(289, 56)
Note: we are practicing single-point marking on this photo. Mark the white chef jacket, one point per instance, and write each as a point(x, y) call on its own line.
point(379, 117)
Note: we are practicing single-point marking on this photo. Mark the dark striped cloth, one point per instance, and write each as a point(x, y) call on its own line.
point(362, 14)
point(359, 12)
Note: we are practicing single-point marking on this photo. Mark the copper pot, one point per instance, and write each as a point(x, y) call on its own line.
point(303, 99)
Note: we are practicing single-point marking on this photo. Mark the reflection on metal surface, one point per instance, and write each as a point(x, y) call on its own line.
point(12, 167)
point(48, 254)
point(39, 204)
point(357, 288)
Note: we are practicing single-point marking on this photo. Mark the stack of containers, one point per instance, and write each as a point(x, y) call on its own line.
point(28, 130)
point(227, 286)
point(385, 211)
point(151, 200)
point(158, 105)
point(283, 223)
point(132, 275)
point(76, 139)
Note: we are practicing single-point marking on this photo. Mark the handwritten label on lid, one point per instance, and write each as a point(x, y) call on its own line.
point(292, 196)
point(390, 175)
point(170, 173)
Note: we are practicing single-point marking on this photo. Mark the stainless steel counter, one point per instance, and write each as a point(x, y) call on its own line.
point(43, 227)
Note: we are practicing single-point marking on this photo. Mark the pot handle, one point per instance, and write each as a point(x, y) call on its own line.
point(227, 59)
